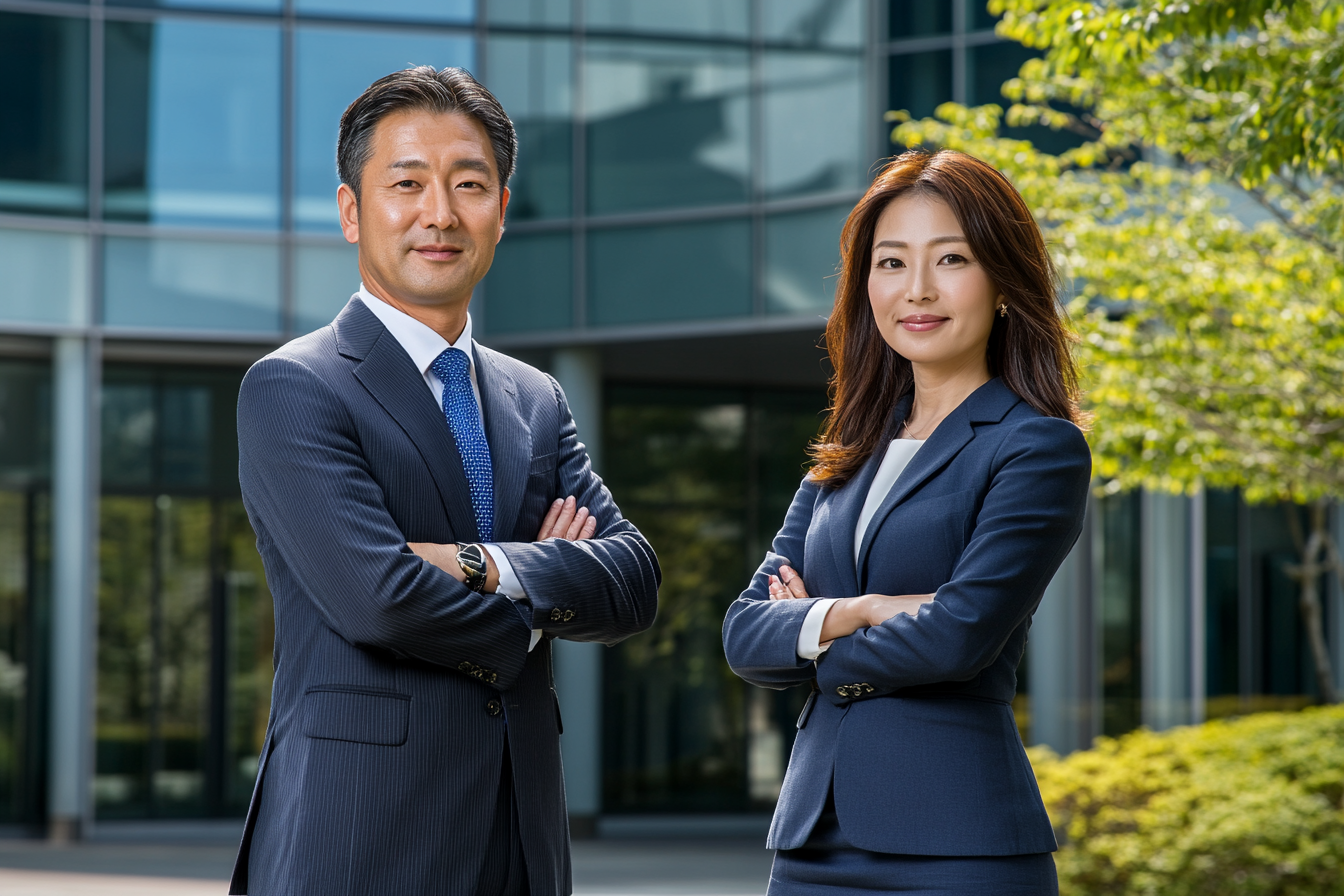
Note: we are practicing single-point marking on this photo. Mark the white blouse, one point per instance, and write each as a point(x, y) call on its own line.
point(899, 454)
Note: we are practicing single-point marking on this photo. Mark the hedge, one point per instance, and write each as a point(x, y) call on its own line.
point(1253, 806)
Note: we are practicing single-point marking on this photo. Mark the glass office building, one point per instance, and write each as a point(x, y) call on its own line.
point(167, 216)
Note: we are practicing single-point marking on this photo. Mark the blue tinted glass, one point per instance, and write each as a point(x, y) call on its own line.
point(667, 125)
point(179, 284)
point(813, 115)
point(46, 277)
point(530, 287)
point(920, 82)
point(669, 272)
point(836, 23)
point(399, 10)
point(532, 78)
point(325, 277)
point(44, 106)
point(247, 5)
point(333, 67)
point(529, 12)
point(728, 18)
point(802, 251)
point(919, 18)
point(193, 123)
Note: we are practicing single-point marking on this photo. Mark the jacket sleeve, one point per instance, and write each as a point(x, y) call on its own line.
point(601, 589)
point(310, 493)
point(1031, 516)
point(760, 635)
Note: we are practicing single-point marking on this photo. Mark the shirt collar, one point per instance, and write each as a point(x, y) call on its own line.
point(419, 341)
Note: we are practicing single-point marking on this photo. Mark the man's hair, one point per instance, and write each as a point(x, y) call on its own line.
point(425, 89)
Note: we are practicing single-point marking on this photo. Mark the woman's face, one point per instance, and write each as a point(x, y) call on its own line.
point(933, 303)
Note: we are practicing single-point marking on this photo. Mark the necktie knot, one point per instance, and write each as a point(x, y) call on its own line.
point(452, 366)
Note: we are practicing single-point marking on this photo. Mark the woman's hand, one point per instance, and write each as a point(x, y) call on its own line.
point(787, 585)
point(849, 614)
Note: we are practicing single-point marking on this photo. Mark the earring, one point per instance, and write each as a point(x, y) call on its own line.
point(1003, 310)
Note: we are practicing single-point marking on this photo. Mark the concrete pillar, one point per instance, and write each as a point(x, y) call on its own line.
point(578, 665)
point(1166, 608)
point(1059, 655)
point(74, 503)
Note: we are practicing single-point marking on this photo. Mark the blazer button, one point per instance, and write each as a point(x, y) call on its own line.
point(555, 614)
point(493, 708)
point(568, 615)
point(464, 666)
point(843, 690)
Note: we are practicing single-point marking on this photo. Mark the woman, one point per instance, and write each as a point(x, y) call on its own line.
point(950, 482)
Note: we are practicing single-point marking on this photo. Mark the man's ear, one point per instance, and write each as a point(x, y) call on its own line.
point(349, 207)
point(503, 207)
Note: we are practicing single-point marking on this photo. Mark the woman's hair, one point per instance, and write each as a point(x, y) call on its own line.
point(1029, 348)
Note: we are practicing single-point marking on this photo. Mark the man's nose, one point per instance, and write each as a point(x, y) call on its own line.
point(437, 209)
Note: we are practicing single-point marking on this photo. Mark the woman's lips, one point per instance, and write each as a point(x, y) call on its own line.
point(922, 323)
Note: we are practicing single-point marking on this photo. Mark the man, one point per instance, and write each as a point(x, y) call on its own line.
point(396, 473)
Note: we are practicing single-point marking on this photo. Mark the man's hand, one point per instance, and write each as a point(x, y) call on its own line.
point(563, 520)
point(848, 614)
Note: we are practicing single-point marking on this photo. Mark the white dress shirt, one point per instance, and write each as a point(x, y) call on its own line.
point(899, 454)
point(424, 346)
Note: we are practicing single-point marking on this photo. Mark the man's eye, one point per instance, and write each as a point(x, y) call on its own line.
point(407, 183)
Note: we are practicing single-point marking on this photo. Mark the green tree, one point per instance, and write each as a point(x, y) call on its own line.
point(1201, 223)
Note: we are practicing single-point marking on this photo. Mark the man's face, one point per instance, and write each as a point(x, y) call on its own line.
point(430, 211)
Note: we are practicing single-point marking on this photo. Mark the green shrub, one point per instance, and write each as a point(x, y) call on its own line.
point(1253, 805)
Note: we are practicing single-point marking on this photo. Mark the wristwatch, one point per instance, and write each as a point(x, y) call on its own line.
point(471, 559)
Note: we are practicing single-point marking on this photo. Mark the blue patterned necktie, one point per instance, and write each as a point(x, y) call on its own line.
point(464, 419)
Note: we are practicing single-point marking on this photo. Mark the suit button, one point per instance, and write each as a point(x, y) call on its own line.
point(568, 615)
point(464, 666)
point(493, 708)
point(843, 690)
point(555, 614)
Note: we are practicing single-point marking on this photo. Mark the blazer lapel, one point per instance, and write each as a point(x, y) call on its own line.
point(509, 437)
point(386, 371)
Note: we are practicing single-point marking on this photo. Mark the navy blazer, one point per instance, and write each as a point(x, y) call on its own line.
point(912, 725)
point(395, 686)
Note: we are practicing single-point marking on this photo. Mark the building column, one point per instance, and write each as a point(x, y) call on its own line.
point(578, 665)
point(1060, 656)
point(1166, 607)
point(74, 502)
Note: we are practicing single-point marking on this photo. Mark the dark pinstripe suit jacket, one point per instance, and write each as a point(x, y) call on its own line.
point(382, 756)
point(912, 725)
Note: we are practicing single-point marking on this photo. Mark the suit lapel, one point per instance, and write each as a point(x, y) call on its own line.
point(386, 371)
point(509, 437)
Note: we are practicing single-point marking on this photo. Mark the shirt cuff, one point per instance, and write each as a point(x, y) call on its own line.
point(809, 636)
point(509, 586)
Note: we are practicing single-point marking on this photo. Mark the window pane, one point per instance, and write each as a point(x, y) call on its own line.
point(920, 82)
point(46, 277)
point(192, 285)
point(836, 23)
point(412, 10)
point(802, 254)
point(989, 66)
point(530, 286)
point(729, 18)
point(918, 18)
point(325, 277)
point(333, 67)
point(670, 272)
point(529, 12)
point(532, 78)
point(44, 107)
point(813, 113)
point(668, 125)
point(193, 123)
point(981, 19)
point(247, 5)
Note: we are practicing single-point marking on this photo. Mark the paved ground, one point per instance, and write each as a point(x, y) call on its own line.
point(724, 867)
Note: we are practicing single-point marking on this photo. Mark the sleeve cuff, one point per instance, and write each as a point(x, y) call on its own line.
point(809, 636)
point(509, 586)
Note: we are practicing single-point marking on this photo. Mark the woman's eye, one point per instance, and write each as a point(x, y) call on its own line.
point(954, 258)
point(891, 263)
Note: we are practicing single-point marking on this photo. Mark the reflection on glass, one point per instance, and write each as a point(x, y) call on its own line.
point(529, 12)
point(243, 5)
point(44, 107)
point(813, 121)
point(530, 287)
point(532, 79)
point(192, 284)
point(46, 277)
point(325, 277)
point(667, 125)
point(669, 272)
point(404, 10)
point(193, 123)
point(814, 23)
point(707, 474)
point(332, 68)
point(802, 252)
point(920, 82)
point(919, 18)
point(725, 18)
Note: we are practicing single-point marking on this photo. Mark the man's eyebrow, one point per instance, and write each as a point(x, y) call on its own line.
point(938, 240)
point(420, 164)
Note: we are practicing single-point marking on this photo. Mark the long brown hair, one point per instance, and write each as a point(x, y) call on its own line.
point(1029, 348)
